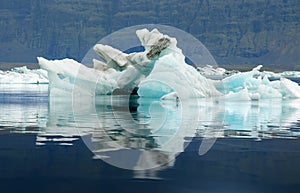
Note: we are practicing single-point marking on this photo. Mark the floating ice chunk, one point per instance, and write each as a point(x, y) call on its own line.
point(23, 75)
point(291, 74)
point(242, 95)
point(170, 96)
point(255, 96)
point(286, 74)
point(259, 86)
point(215, 73)
point(289, 88)
point(273, 75)
point(210, 70)
point(242, 79)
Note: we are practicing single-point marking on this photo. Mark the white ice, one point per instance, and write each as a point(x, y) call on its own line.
point(285, 74)
point(255, 85)
point(215, 72)
point(23, 75)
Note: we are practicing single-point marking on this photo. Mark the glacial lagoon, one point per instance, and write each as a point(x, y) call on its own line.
point(148, 122)
point(47, 144)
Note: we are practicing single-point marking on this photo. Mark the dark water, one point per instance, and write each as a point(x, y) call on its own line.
point(59, 146)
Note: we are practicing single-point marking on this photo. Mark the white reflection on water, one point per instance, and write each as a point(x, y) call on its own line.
point(23, 106)
point(263, 119)
point(25, 109)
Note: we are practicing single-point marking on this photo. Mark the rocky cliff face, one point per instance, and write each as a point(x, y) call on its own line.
point(236, 32)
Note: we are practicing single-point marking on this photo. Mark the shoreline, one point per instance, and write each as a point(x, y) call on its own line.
point(4, 66)
point(8, 66)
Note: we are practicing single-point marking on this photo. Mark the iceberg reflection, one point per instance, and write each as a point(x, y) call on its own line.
point(157, 130)
point(153, 137)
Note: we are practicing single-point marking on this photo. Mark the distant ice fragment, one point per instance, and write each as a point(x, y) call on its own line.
point(215, 72)
point(23, 75)
point(170, 96)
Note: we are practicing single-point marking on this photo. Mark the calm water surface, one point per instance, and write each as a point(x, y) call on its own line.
point(110, 144)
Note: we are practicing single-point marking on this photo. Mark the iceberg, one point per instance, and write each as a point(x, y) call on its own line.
point(123, 71)
point(23, 75)
point(292, 74)
point(160, 71)
point(285, 74)
point(215, 73)
point(258, 86)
